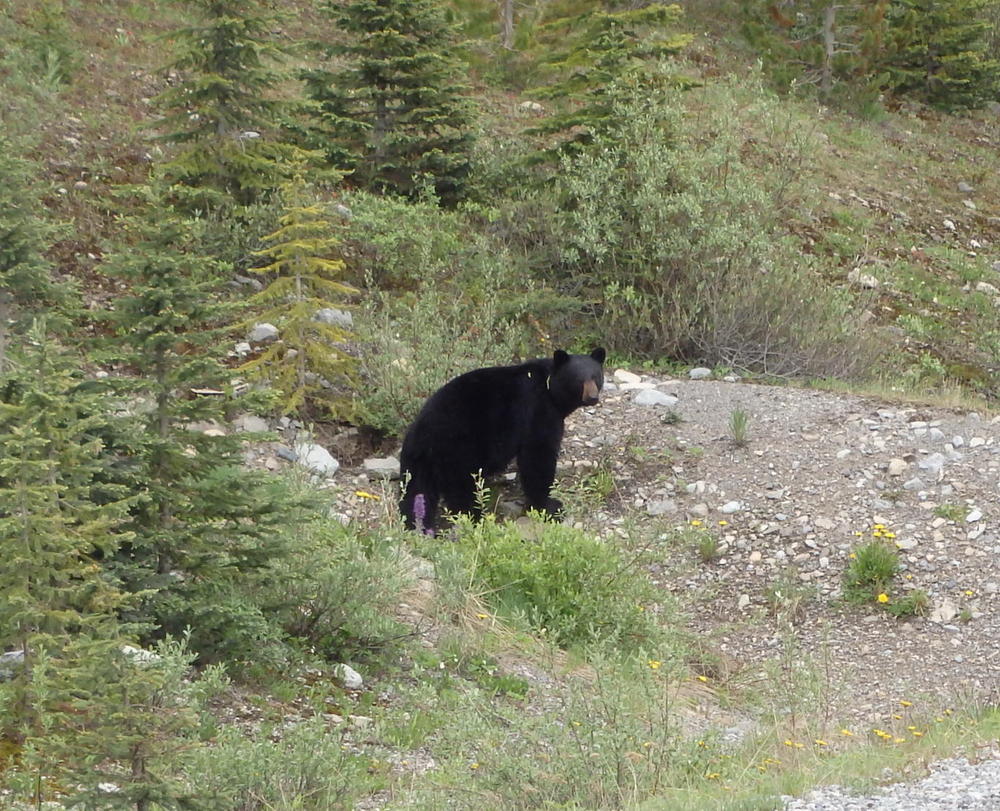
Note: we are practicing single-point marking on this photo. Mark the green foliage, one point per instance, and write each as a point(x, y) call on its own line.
point(204, 523)
point(118, 722)
point(870, 572)
point(25, 282)
point(309, 359)
point(463, 300)
point(290, 766)
point(574, 588)
point(674, 230)
point(597, 52)
point(56, 515)
point(337, 589)
point(225, 114)
point(838, 49)
point(396, 116)
point(940, 52)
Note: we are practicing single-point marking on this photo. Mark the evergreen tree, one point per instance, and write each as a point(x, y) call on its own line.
point(307, 362)
point(605, 50)
point(57, 514)
point(940, 52)
point(397, 114)
point(224, 113)
point(837, 47)
point(204, 522)
point(25, 280)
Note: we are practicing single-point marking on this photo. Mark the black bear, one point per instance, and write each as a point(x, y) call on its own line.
point(478, 422)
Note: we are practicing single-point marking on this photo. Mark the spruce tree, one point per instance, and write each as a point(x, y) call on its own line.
point(940, 52)
point(307, 363)
point(397, 115)
point(25, 276)
point(602, 52)
point(58, 515)
point(224, 113)
point(204, 522)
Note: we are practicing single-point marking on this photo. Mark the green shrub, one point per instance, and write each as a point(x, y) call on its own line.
point(577, 588)
point(338, 589)
point(302, 766)
point(674, 225)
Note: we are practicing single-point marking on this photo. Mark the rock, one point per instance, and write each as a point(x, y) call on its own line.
point(531, 107)
point(948, 224)
point(250, 424)
point(348, 677)
point(865, 280)
point(10, 663)
point(262, 333)
point(700, 373)
point(334, 317)
point(969, 205)
point(653, 397)
point(743, 602)
point(896, 467)
point(247, 281)
point(661, 507)
point(944, 612)
point(381, 467)
point(343, 211)
point(731, 507)
point(316, 458)
point(964, 187)
point(987, 288)
point(242, 349)
point(626, 378)
point(286, 453)
point(914, 484)
point(932, 464)
point(973, 516)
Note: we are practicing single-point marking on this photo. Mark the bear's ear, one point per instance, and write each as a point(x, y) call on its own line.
point(598, 354)
point(559, 358)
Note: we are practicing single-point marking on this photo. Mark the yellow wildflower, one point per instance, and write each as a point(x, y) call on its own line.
point(820, 742)
point(366, 494)
point(883, 597)
point(905, 703)
point(847, 732)
point(702, 678)
point(654, 664)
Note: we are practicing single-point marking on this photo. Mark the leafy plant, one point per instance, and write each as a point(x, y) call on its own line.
point(870, 573)
point(575, 587)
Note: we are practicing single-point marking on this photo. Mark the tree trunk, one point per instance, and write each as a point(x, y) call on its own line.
point(507, 24)
point(829, 48)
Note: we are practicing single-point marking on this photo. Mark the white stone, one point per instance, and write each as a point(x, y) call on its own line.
point(250, 423)
point(335, 317)
point(348, 676)
point(700, 373)
point(897, 467)
point(261, 333)
point(973, 516)
point(731, 507)
point(381, 466)
point(316, 458)
point(626, 377)
point(743, 602)
point(653, 397)
point(243, 349)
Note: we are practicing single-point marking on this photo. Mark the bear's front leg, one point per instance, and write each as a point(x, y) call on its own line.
point(536, 465)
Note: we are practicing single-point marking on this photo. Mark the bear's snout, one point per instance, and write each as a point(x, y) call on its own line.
point(590, 393)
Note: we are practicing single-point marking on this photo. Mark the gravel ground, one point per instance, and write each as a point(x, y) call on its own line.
point(952, 785)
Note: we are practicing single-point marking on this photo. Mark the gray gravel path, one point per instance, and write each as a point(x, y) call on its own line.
point(952, 785)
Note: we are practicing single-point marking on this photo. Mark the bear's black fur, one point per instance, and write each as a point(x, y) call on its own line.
point(481, 420)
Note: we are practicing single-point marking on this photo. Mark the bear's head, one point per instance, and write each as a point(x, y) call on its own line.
point(576, 380)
